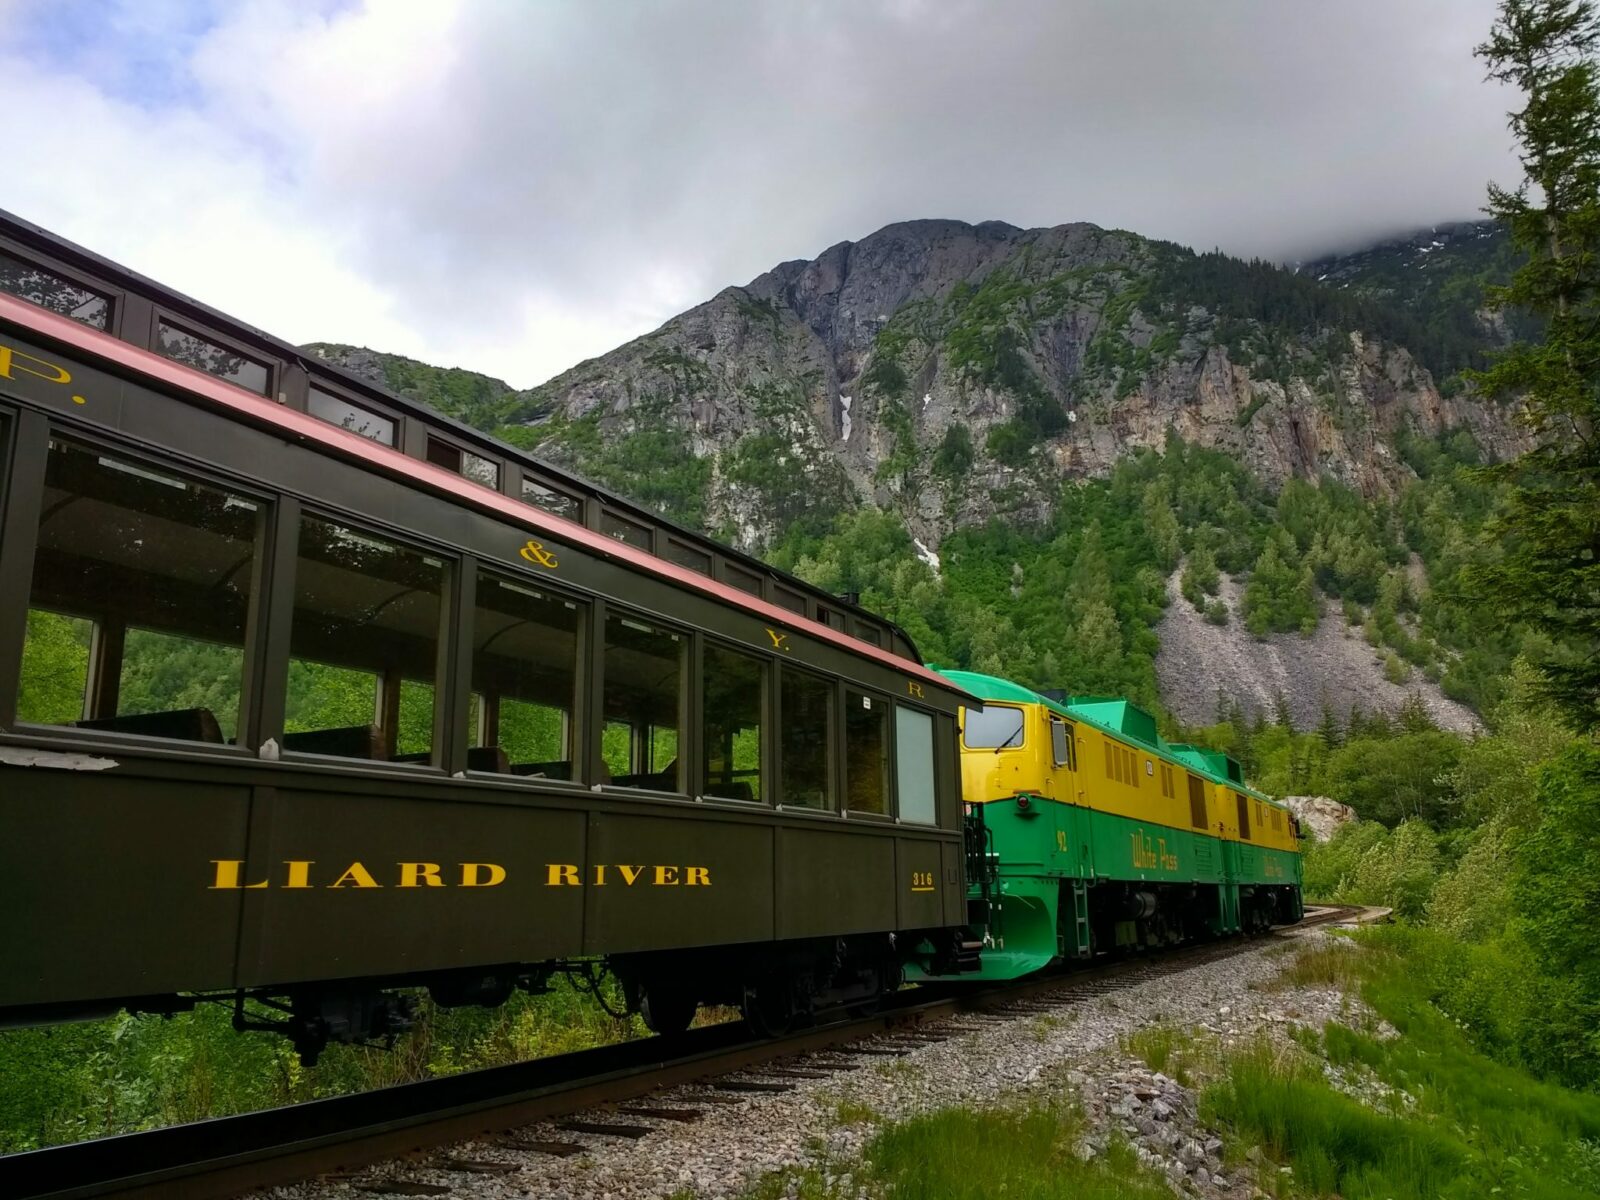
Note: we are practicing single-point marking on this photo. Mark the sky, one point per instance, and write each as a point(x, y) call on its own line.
point(517, 185)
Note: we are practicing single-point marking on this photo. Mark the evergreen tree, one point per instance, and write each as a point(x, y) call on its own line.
point(1328, 730)
point(1550, 573)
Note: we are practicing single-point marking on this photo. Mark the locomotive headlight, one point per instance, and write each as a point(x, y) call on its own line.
point(1023, 802)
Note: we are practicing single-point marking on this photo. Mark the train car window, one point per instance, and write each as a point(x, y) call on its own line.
point(1244, 816)
point(1197, 802)
point(805, 740)
point(743, 580)
point(363, 645)
point(869, 633)
point(733, 691)
point(625, 530)
point(866, 753)
point(830, 618)
point(1061, 743)
point(687, 556)
point(463, 462)
point(347, 414)
point(642, 696)
point(525, 655)
point(556, 503)
point(140, 596)
point(793, 601)
point(203, 354)
point(913, 762)
point(36, 285)
point(993, 727)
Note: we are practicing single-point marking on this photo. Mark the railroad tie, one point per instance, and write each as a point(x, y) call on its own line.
point(751, 1085)
point(536, 1146)
point(665, 1114)
point(402, 1187)
point(605, 1129)
point(475, 1166)
point(879, 1051)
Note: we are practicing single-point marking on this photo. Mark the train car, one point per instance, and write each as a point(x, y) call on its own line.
point(309, 694)
point(1099, 836)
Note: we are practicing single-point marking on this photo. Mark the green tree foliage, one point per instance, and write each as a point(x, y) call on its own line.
point(1556, 893)
point(55, 668)
point(1392, 779)
point(1200, 577)
point(1550, 574)
point(1281, 594)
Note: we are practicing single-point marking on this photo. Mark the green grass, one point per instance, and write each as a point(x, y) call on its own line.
point(960, 1154)
point(1179, 1053)
point(69, 1082)
point(1471, 1127)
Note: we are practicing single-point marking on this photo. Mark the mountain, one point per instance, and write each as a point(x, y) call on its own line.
point(1011, 439)
point(953, 373)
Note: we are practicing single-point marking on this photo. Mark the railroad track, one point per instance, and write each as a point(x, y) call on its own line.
point(229, 1155)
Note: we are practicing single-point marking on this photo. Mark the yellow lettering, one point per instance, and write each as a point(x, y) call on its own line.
point(599, 874)
point(666, 876)
point(629, 874)
point(9, 363)
point(913, 688)
point(535, 553)
point(229, 872)
point(778, 640)
point(470, 876)
point(697, 876)
point(562, 875)
point(420, 875)
point(299, 875)
point(356, 875)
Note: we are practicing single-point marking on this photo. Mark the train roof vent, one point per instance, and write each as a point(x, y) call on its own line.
point(1124, 716)
point(1235, 773)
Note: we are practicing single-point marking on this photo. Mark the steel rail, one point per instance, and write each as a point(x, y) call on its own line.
point(224, 1156)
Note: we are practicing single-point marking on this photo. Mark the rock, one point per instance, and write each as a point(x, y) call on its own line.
point(1202, 1176)
point(1320, 816)
point(1213, 1145)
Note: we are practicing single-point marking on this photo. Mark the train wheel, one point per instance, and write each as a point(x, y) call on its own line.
point(666, 1011)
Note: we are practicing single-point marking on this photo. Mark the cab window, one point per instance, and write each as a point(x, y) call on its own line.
point(993, 727)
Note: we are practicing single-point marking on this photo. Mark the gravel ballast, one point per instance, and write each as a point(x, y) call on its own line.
point(985, 1059)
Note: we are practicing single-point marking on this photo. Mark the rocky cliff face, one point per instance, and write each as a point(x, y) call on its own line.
point(955, 372)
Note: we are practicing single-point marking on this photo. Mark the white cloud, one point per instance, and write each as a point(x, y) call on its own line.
point(515, 187)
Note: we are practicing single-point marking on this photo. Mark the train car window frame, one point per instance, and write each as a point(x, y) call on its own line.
point(389, 699)
point(764, 727)
point(114, 297)
point(683, 743)
point(788, 598)
point(737, 577)
point(204, 333)
point(828, 689)
point(857, 699)
point(462, 453)
point(621, 528)
point(574, 721)
point(537, 484)
point(361, 403)
point(691, 558)
point(927, 816)
point(101, 685)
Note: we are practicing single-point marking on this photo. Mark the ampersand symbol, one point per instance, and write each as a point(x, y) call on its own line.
point(535, 553)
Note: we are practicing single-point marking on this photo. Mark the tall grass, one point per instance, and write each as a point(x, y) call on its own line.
point(67, 1083)
point(1470, 1127)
